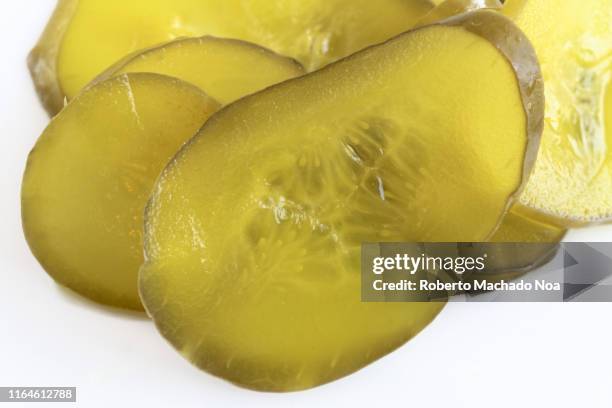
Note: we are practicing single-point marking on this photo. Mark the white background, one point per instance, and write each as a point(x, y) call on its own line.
point(473, 355)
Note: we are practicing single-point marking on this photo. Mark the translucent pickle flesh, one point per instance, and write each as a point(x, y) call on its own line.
point(572, 179)
point(91, 172)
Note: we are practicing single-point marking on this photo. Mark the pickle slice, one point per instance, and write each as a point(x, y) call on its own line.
point(253, 232)
point(225, 69)
point(91, 172)
point(315, 32)
point(572, 180)
point(529, 243)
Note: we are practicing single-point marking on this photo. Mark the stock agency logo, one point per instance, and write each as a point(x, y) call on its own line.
point(486, 272)
point(412, 264)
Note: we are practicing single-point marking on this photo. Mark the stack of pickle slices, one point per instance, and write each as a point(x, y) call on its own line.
point(219, 163)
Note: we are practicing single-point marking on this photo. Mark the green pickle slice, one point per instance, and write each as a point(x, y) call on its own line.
point(315, 32)
point(253, 231)
point(572, 179)
point(225, 69)
point(91, 172)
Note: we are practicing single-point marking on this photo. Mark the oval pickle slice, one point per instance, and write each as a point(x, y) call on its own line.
point(253, 232)
point(91, 172)
point(225, 69)
point(315, 32)
point(572, 179)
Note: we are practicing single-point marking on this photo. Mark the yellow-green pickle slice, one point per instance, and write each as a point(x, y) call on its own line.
point(572, 179)
point(253, 232)
point(225, 69)
point(85, 37)
point(91, 172)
